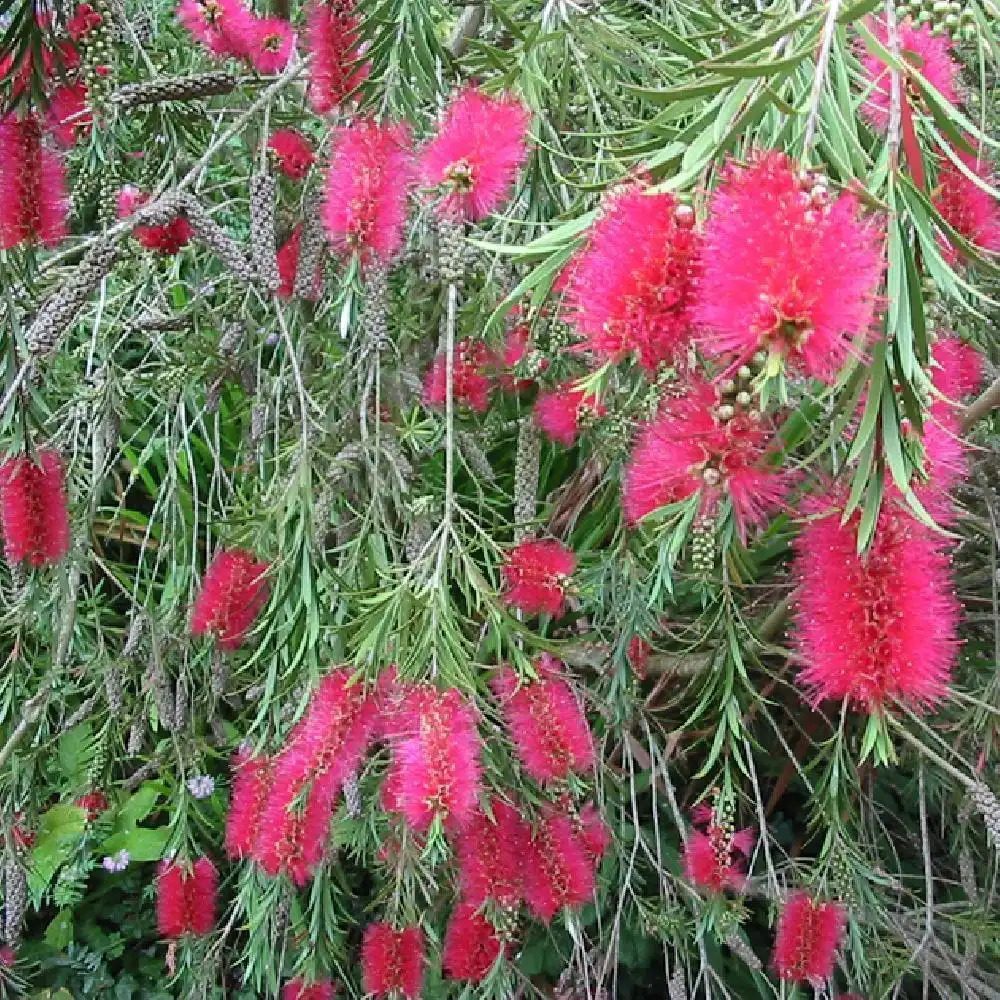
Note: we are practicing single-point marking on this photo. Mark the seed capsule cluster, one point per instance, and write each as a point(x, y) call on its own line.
point(946, 17)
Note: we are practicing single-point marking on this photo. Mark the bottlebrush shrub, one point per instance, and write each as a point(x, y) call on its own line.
point(715, 362)
point(34, 510)
point(186, 898)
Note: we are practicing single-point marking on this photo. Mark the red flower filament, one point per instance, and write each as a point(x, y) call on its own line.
point(233, 593)
point(33, 509)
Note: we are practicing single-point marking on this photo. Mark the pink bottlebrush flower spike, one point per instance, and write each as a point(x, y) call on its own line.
point(876, 627)
point(299, 989)
point(972, 212)
point(437, 765)
point(251, 785)
point(491, 855)
point(809, 933)
point(333, 40)
point(476, 154)
point(68, 116)
point(536, 574)
point(561, 412)
point(920, 48)
point(715, 857)
point(691, 450)
point(186, 898)
point(392, 960)
point(471, 383)
point(546, 722)
point(632, 289)
point(34, 204)
point(558, 871)
point(325, 746)
point(288, 266)
point(224, 27)
point(233, 592)
point(33, 509)
point(168, 238)
point(292, 151)
point(957, 368)
point(471, 945)
point(370, 174)
point(270, 42)
point(760, 286)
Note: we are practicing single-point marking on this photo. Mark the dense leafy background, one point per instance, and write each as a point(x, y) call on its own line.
point(173, 449)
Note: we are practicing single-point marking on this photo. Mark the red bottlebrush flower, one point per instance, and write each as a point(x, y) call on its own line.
point(808, 936)
point(202, 889)
point(957, 369)
point(34, 204)
point(68, 116)
point(638, 654)
point(298, 989)
point(560, 412)
point(392, 960)
point(270, 41)
point(366, 188)
point(333, 39)
point(491, 855)
point(476, 154)
point(966, 207)
point(546, 722)
point(83, 21)
point(594, 832)
point(8, 956)
point(920, 49)
point(471, 945)
point(516, 347)
point(714, 858)
point(325, 746)
point(945, 462)
point(24, 836)
point(633, 288)
point(34, 512)
point(471, 385)
point(690, 450)
point(168, 238)
point(93, 804)
point(438, 763)
point(288, 265)
point(536, 574)
point(292, 151)
point(251, 785)
point(878, 626)
point(760, 286)
point(185, 898)
point(224, 27)
point(557, 870)
point(233, 593)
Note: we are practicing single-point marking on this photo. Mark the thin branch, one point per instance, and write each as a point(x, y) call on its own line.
point(822, 64)
point(467, 27)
